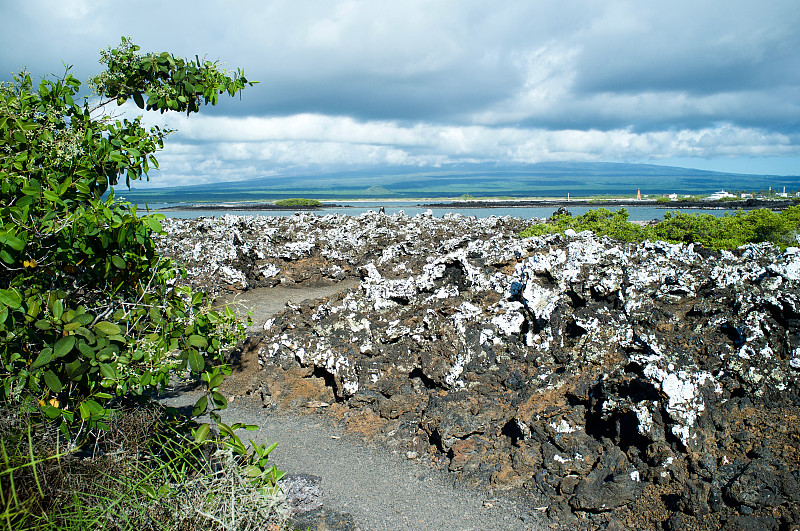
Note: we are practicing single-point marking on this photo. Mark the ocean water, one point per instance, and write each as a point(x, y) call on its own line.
point(636, 213)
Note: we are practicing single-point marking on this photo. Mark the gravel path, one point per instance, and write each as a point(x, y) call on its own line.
point(381, 490)
point(264, 303)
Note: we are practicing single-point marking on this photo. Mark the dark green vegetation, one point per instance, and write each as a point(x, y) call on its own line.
point(91, 317)
point(726, 232)
point(297, 202)
point(476, 180)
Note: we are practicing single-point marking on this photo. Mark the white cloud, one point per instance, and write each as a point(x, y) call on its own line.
point(228, 148)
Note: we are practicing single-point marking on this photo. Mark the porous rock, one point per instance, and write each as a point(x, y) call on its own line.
point(571, 367)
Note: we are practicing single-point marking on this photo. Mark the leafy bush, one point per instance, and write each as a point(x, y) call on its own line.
point(88, 310)
point(663, 199)
point(297, 202)
point(91, 316)
point(725, 232)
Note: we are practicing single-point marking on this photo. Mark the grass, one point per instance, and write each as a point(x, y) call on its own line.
point(142, 474)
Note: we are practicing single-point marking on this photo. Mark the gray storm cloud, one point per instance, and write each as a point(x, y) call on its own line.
point(415, 82)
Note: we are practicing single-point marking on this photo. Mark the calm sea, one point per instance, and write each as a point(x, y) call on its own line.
point(644, 213)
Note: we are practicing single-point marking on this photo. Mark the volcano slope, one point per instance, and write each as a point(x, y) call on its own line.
point(648, 386)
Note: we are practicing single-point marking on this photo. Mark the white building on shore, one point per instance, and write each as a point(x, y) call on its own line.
point(716, 196)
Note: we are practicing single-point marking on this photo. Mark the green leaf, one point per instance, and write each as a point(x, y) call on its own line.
point(12, 241)
point(77, 368)
point(11, 298)
point(153, 223)
point(82, 319)
point(269, 449)
point(58, 309)
point(33, 308)
point(51, 196)
point(105, 354)
point(118, 262)
point(137, 98)
point(89, 408)
point(220, 401)
point(108, 371)
point(200, 406)
point(252, 471)
point(198, 341)
point(107, 328)
point(63, 346)
point(215, 381)
point(44, 357)
point(201, 433)
point(85, 332)
point(52, 381)
point(86, 350)
point(52, 412)
point(196, 361)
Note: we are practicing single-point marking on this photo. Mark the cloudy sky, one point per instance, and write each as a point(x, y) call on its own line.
point(711, 84)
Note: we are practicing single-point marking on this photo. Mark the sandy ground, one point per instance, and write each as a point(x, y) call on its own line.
point(380, 489)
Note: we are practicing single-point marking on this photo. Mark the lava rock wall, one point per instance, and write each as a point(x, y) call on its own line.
point(650, 385)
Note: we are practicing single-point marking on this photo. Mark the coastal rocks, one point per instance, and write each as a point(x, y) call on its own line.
point(618, 384)
point(240, 252)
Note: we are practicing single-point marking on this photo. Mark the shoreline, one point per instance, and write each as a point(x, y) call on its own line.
point(748, 204)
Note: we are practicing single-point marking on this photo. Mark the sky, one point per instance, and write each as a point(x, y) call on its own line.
point(345, 84)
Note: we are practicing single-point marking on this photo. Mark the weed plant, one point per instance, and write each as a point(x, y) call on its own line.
point(144, 473)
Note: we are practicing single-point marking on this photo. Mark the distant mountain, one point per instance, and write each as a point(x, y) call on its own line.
point(552, 179)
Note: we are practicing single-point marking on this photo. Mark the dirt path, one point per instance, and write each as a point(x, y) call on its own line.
point(380, 489)
point(266, 302)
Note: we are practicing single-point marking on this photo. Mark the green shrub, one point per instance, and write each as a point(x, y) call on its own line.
point(298, 202)
point(663, 199)
point(88, 310)
point(92, 317)
point(601, 221)
point(725, 232)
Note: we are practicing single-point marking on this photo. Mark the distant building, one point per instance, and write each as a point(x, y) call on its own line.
point(747, 196)
point(673, 197)
point(719, 195)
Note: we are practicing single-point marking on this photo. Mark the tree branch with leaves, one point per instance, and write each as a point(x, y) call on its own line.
point(89, 312)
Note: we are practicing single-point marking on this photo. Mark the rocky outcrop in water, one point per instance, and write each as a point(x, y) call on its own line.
point(650, 386)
